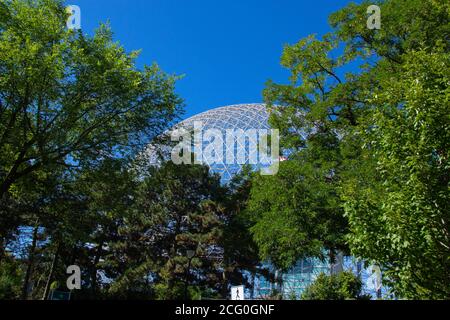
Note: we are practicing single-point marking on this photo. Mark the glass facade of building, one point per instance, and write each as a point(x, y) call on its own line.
point(292, 283)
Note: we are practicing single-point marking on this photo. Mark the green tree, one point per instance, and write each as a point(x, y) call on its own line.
point(400, 215)
point(10, 279)
point(296, 213)
point(72, 107)
point(389, 118)
point(241, 260)
point(69, 99)
point(342, 286)
point(178, 211)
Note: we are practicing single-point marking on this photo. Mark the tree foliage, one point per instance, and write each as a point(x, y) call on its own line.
point(68, 99)
point(383, 97)
point(296, 213)
point(364, 122)
point(400, 218)
point(342, 286)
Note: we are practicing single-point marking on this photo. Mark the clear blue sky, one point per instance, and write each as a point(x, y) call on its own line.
point(227, 49)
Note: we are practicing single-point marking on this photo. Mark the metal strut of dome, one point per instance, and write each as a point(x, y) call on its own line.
point(234, 117)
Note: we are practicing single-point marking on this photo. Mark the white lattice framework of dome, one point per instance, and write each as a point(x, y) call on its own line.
point(241, 116)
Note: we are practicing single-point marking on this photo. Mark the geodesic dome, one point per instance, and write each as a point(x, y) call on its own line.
point(235, 117)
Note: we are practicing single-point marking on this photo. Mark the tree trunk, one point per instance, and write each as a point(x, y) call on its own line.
point(224, 289)
point(4, 188)
point(2, 249)
point(50, 275)
point(30, 264)
point(252, 293)
point(94, 268)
